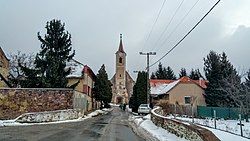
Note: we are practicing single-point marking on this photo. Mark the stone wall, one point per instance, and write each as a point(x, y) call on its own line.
point(188, 131)
point(49, 116)
point(14, 102)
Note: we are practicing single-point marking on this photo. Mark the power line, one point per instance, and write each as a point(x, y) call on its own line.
point(173, 31)
point(186, 34)
point(165, 29)
point(158, 15)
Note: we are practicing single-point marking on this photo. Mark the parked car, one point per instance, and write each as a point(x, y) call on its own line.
point(144, 109)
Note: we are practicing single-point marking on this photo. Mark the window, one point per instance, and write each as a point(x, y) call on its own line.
point(187, 99)
point(120, 75)
point(120, 60)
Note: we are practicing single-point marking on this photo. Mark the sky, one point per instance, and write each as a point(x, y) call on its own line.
point(95, 26)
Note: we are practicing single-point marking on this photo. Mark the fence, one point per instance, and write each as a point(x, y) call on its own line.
point(221, 112)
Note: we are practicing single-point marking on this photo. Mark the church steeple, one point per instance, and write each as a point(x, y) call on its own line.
point(121, 46)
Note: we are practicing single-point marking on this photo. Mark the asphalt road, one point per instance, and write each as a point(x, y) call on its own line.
point(110, 127)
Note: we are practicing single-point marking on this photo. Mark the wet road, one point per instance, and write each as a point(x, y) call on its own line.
point(110, 127)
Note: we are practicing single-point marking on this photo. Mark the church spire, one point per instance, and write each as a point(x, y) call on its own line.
point(121, 45)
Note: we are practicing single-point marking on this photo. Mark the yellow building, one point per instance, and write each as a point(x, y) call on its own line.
point(4, 69)
point(84, 77)
point(183, 91)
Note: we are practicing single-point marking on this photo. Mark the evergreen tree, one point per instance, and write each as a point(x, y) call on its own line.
point(220, 73)
point(139, 91)
point(195, 74)
point(153, 76)
point(50, 62)
point(213, 74)
point(160, 73)
point(170, 74)
point(183, 72)
point(102, 87)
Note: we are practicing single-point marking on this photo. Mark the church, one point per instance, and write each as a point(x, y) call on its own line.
point(122, 82)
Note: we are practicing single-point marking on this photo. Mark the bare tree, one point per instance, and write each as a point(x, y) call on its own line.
point(16, 74)
point(237, 94)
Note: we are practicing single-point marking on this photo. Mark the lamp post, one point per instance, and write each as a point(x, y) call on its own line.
point(149, 100)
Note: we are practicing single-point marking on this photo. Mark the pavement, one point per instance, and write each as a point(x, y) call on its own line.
point(113, 126)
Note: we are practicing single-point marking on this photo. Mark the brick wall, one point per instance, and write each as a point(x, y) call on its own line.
point(14, 102)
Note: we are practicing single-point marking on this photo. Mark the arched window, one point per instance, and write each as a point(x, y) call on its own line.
point(120, 60)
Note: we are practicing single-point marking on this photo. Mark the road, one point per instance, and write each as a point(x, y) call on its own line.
point(110, 127)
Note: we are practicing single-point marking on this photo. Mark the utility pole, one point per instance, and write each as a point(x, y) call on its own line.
point(149, 100)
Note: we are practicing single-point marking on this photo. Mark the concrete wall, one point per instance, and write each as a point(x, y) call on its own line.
point(188, 131)
point(14, 102)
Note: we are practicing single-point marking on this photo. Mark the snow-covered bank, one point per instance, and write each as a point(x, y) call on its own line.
point(225, 125)
point(145, 126)
point(92, 114)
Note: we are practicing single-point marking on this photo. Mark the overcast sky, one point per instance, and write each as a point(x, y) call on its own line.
point(95, 26)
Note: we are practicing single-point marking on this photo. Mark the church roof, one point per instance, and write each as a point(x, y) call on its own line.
point(121, 46)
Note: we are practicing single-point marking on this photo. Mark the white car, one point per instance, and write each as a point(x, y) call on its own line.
point(144, 109)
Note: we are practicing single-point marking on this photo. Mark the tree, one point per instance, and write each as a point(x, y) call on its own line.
point(152, 76)
point(183, 72)
point(102, 87)
point(170, 74)
point(50, 62)
point(139, 91)
point(213, 74)
point(16, 74)
point(220, 73)
point(160, 72)
point(195, 74)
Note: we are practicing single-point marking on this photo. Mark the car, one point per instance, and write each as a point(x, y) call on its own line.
point(144, 109)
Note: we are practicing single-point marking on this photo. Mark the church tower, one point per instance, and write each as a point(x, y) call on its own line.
point(122, 82)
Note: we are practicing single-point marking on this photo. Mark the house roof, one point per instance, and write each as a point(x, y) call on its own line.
point(1, 50)
point(164, 86)
point(76, 68)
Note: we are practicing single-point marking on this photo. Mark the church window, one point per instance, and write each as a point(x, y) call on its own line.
point(120, 60)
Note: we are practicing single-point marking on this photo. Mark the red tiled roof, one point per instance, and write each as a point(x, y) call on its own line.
point(185, 79)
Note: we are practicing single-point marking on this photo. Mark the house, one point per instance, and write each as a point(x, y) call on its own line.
point(4, 69)
point(183, 91)
point(84, 78)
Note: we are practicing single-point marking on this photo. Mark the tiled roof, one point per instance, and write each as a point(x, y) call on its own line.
point(185, 79)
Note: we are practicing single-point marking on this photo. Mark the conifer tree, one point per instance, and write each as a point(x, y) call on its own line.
point(220, 73)
point(50, 62)
point(102, 87)
point(153, 76)
point(170, 74)
point(183, 72)
point(195, 74)
point(139, 91)
point(160, 73)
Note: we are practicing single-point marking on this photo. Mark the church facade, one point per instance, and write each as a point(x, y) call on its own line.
point(122, 82)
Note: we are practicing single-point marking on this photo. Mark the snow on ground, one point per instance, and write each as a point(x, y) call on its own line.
point(145, 123)
point(224, 136)
point(14, 123)
point(224, 125)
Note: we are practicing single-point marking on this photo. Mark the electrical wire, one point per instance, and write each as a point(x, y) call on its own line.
point(152, 28)
point(186, 34)
point(165, 29)
point(176, 27)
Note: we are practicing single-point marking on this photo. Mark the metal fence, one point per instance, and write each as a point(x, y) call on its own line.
point(221, 112)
